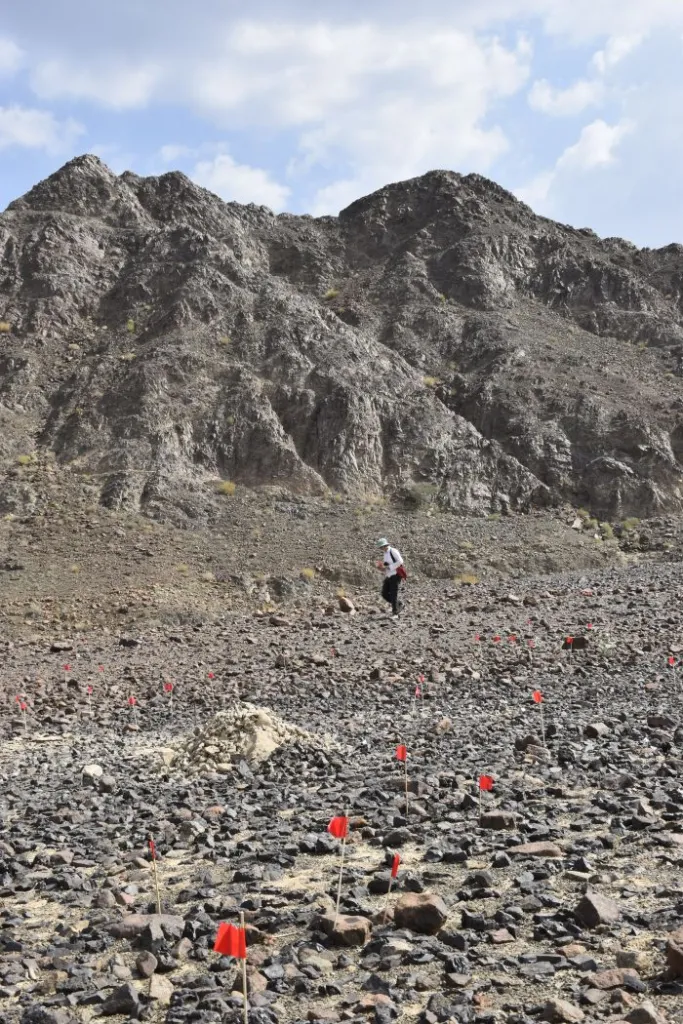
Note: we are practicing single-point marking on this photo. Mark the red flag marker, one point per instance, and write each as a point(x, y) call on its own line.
point(512, 639)
point(211, 675)
point(477, 638)
point(485, 785)
point(538, 699)
point(569, 640)
point(394, 874)
point(402, 755)
point(496, 639)
point(132, 701)
point(152, 849)
point(672, 662)
point(339, 827)
point(168, 687)
point(89, 690)
point(418, 692)
point(589, 625)
point(231, 941)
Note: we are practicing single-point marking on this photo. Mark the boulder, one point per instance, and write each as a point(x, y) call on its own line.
point(594, 909)
point(424, 913)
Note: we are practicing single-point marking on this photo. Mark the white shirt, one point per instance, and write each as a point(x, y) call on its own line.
point(392, 559)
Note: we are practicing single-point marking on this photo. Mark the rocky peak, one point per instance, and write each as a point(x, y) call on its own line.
point(436, 338)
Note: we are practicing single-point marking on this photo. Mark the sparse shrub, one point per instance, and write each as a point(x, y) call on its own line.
point(431, 382)
point(419, 495)
point(630, 524)
point(75, 568)
point(208, 577)
point(26, 460)
point(225, 340)
point(583, 514)
point(227, 487)
point(642, 345)
point(182, 568)
point(130, 326)
point(230, 420)
point(493, 517)
point(330, 294)
point(606, 531)
point(5, 327)
point(127, 357)
point(308, 575)
point(592, 524)
point(468, 579)
point(341, 592)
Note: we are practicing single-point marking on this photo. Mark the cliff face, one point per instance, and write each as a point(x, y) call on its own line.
point(436, 334)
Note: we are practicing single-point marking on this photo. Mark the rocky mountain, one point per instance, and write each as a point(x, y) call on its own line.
point(437, 341)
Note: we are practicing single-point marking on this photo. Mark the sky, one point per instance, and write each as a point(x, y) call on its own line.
point(575, 106)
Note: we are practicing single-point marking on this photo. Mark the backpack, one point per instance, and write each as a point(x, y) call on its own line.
point(401, 571)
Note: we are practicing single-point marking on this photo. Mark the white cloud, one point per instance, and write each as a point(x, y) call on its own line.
point(111, 85)
point(36, 129)
point(615, 50)
point(565, 102)
point(290, 74)
point(595, 147)
point(171, 153)
point(11, 57)
point(240, 183)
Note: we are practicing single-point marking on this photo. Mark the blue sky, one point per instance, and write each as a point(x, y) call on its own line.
point(574, 105)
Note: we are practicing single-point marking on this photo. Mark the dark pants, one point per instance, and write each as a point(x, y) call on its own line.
point(390, 592)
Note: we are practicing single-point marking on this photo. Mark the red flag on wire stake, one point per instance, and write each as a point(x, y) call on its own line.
point(132, 701)
point(485, 786)
point(396, 860)
point(496, 639)
point(89, 690)
point(168, 687)
point(339, 828)
point(402, 755)
point(538, 699)
point(231, 941)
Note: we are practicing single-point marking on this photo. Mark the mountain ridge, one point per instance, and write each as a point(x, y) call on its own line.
point(437, 338)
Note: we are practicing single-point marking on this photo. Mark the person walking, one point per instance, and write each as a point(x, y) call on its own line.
point(394, 573)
